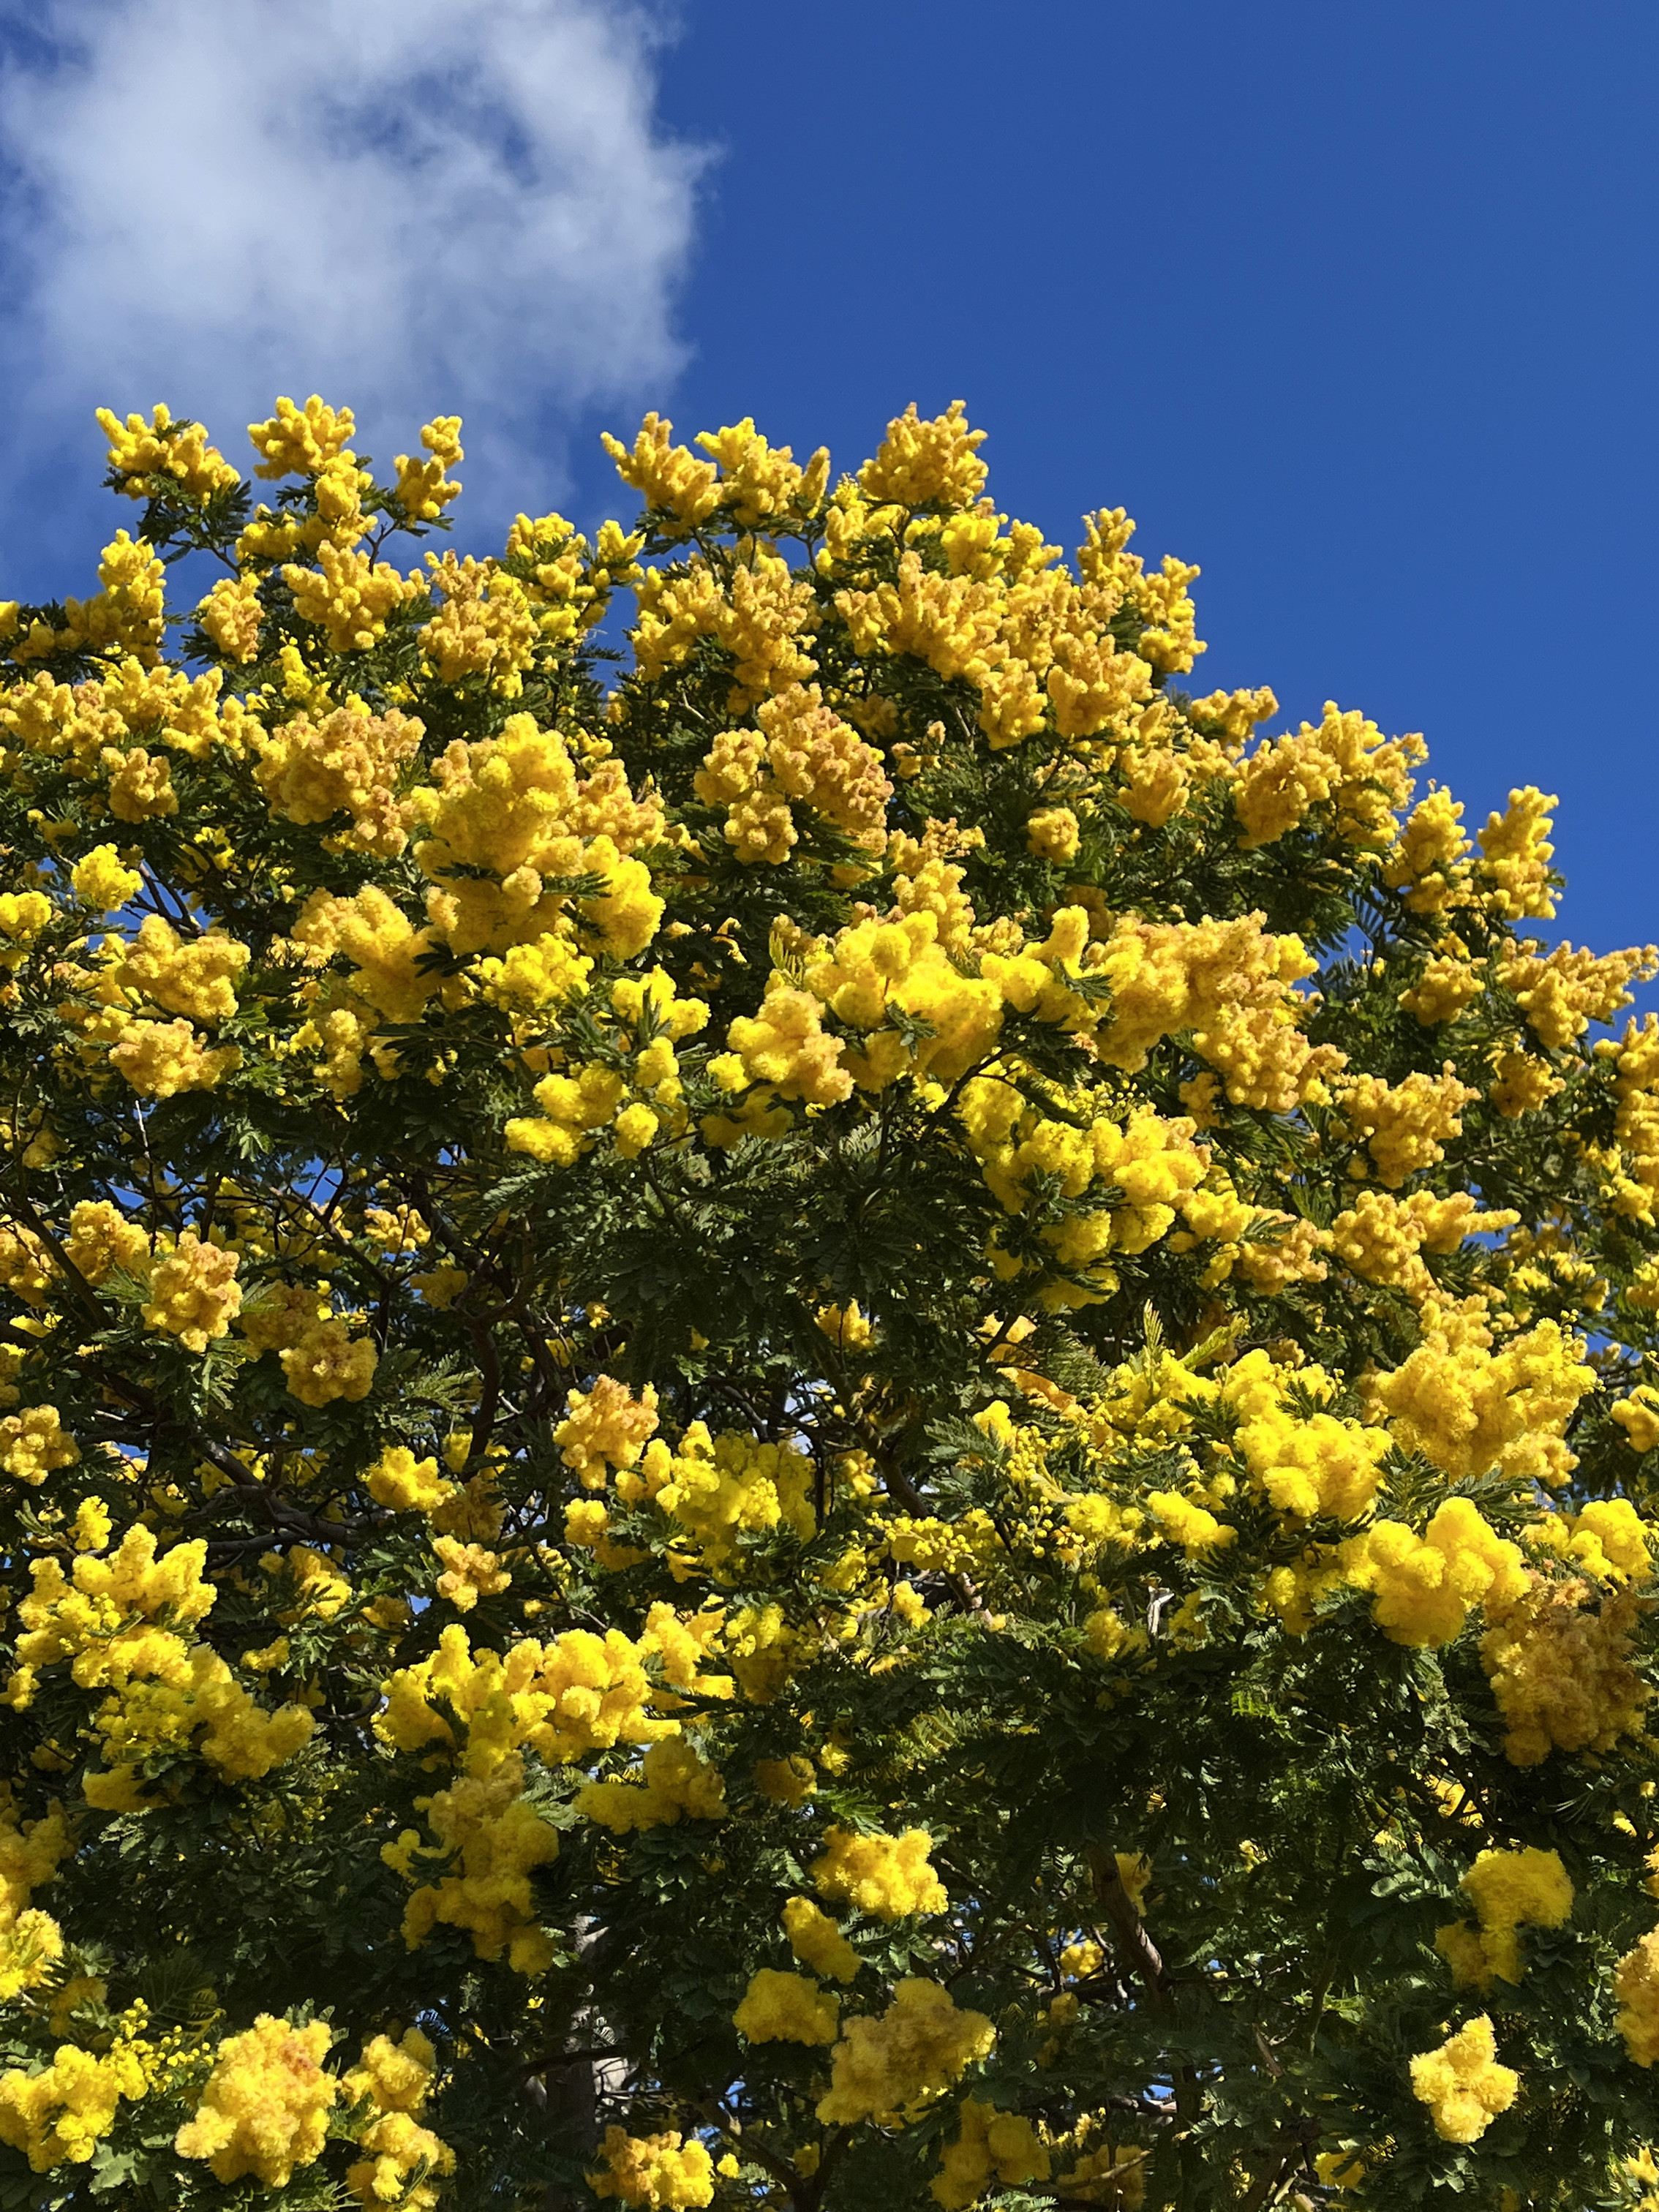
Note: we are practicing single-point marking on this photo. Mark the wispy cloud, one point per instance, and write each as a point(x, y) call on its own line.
point(416, 206)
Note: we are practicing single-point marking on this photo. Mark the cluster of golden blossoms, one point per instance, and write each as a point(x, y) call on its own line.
point(764, 1439)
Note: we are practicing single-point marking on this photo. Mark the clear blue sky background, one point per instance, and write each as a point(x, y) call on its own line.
point(1353, 304)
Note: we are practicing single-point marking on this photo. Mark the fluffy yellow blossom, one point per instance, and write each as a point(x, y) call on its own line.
point(193, 1292)
point(105, 1618)
point(128, 615)
point(1446, 986)
point(672, 1783)
point(817, 1942)
point(660, 2170)
point(101, 881)
point(761, 617)
point(926, 464)
point(31, 1941)
point(1561, 1670)
point(912, 2053)
point(1563, 991)
point(579, 1694)
point(348, 595)
point(722, 1487)
point(160, 1059)
point(1426, 861)
point(887, 1875)
point(490, 1841)
point(1514, 867)
point(329, 1363)
point(395, 2078)
point(264, 2110)
point(348, 763)
point(194, 976)
point(60, 2115)
point(1636, 1985)
point(1405, 1125)
point(1346, 764)
point(35, 1444)
point(785, 1047)
point(779, 2007)
point(1508, 1890)
point(162, 457)
point(407, 1485)
point(422, 488)
point(606, 1428)
point(1423, 1586)
point(992, 2146)
point(201, 1709)
point(230, 616)
point(301, 440)
point(788, 1782)
point(1463, 2084)
point(1638, 1417)
point(1470, 1410)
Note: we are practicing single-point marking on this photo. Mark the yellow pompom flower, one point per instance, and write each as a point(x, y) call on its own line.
point(1463, 2084)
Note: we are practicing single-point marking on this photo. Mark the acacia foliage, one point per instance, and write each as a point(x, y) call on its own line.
point(832, 1406)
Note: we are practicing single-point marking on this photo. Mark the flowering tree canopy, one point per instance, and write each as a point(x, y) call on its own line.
point(808, 1399)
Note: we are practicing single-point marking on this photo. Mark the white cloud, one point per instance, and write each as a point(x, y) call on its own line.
point(412, 206)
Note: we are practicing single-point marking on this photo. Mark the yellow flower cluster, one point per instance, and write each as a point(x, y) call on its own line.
point(348, 595)
point(106, 1617)
point(719, 1488)
point(1561, 1670)
point(921, 463)
point(992, 2146)
point(348, 763)
point(762, 618)
point(486, 627)
point(60, 2115)
point(30, 1851)
point(1345, 764)
point(1508, 1889)
point(238, 1738)
point(887, 1875)
point(1230, 983)
point(1463, 2084)
point(902, 2059)
point(804, 753)
point(1405, 1126)
point(664, 2170)
point(579, 1694)
point(162, 1059)
point(672, 1783)
point(1514, 868)
point(817, 1942)
point(1149, 1160)
point(492, 1840)
point(164, 458)
point(396, 2078)
point(423, 490)
point(607, 1427)
point(128, 615)
point(1423, 1586)
point(100, 881)
point(1382, 1237)
point(1636, 1985)
point(507, 826)
point(264, 2109)
point(193, 1292)
point(35, 1444)
point(779, 2007)
point(1471, 1410)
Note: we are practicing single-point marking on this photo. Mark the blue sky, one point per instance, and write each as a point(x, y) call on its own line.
point(1352, 304)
